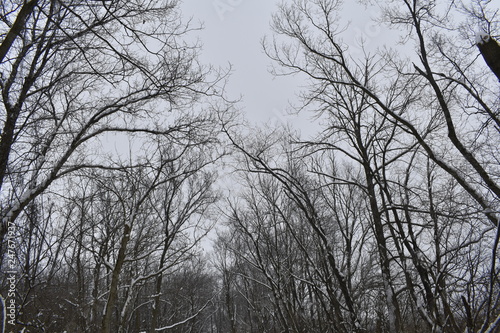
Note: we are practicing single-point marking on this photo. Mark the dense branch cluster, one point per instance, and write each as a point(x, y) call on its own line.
point(388, 220)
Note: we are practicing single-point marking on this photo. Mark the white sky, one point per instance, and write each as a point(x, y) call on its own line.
point(233, 30)
point(232, 34)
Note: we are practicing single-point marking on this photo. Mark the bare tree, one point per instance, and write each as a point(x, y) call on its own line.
point(74, 71)
point(418, 138)
point(307, 256)
point(124, 233)
point(78, 76)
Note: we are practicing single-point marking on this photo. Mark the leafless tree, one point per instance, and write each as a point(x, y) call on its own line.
point(417, 139)
point(79, 80)
point(116, 237)
point(75, 71)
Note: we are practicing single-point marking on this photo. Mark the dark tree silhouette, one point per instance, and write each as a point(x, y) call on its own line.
point(490, 50)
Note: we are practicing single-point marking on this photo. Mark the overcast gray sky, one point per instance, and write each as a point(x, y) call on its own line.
point(233, 30)
point(232, 33)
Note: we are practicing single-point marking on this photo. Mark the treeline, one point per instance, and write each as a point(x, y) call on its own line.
point(136, 199)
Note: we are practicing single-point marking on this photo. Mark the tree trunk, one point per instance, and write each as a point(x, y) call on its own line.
point(115, 277)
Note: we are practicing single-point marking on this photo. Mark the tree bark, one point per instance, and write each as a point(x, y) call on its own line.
point(16, 28)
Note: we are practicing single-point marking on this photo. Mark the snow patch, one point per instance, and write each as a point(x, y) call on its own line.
point(8, 216)
point(482, 37)
point(26, 195)
point(489, 211)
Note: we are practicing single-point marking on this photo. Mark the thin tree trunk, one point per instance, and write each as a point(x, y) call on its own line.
point(115, 277)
